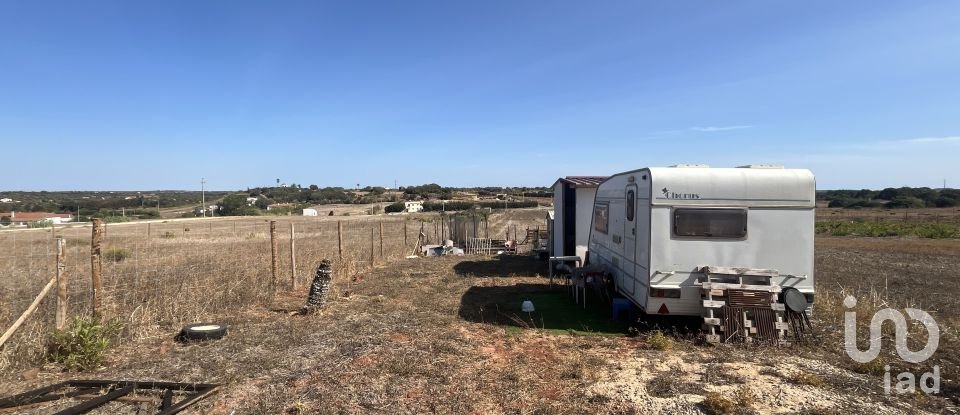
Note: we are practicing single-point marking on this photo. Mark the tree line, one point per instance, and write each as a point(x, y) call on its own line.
point(891, 198)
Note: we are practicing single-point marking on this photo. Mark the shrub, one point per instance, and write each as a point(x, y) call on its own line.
point(666, 385)
point(83, 344)
point(115, 219)
point(375, 209)
point(806, 378)
point(395, 207)
point(746, 398)
point(660, 341)
point(715, 403)
point(167, 235)
point(39, 224)
point(5, 221)
point(876, 367)
point(116, 254)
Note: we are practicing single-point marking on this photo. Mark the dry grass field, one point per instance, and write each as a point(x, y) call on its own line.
point(159, 275)
point(446, 334)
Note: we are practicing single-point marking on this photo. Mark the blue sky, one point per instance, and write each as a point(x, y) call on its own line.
point(133, 95)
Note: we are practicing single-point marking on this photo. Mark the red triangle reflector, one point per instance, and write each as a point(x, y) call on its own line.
point(663, 309)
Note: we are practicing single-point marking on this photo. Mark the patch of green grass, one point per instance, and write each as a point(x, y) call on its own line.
point(556, 313)
point(930, 230)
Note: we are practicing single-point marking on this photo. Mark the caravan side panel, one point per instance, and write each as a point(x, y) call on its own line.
point(609, 241)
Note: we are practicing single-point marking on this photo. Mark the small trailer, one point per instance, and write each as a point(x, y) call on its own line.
point(691, 240)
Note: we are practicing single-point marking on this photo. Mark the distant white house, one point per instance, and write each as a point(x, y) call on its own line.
point(413, 207)
point(25, 218)
point(310, 212)
point(7, 200)
point(251, 201)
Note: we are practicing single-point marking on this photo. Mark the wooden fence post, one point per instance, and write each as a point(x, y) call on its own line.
point(274, 248)
point(61, 319)
point(30, 309)
point(372, 263)
point(96, 266)
point(148, 230)
point(381, 239)
point(293, 258)
point(404, 236)
point(340, 239)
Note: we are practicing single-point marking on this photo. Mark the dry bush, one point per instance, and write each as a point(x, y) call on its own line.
point(746, 397)
point(116, 254)
point(666, 385)
point(808, 379)
point(715, 403)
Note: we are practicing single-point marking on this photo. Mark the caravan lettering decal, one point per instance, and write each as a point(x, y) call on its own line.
point(667, 194)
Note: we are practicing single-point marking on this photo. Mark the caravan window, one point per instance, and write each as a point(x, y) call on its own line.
point(710, 223)
point(631, 204)
point(601, 217)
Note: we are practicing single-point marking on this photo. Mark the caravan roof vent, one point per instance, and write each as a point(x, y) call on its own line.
point(690, 166)
point(761, 166)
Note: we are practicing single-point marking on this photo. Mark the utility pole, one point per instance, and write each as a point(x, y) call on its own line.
point(203, 197)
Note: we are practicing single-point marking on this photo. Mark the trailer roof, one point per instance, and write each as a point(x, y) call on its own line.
point(741, 186)
point(582, 181)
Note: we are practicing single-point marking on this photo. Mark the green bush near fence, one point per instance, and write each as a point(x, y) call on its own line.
point(83, 344)
point(886, 228)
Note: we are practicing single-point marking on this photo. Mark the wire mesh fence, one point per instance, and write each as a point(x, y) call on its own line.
point(157, 276)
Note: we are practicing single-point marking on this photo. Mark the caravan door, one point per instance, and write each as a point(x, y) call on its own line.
point(630, 223)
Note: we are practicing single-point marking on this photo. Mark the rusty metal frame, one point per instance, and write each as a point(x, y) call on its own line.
point(101, 392)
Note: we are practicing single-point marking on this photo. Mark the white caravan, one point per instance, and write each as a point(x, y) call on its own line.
point(660, 231)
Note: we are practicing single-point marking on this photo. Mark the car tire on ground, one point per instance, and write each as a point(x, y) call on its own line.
point(202, 331)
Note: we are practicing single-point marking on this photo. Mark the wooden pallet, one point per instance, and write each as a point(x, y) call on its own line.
point(740, 312)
